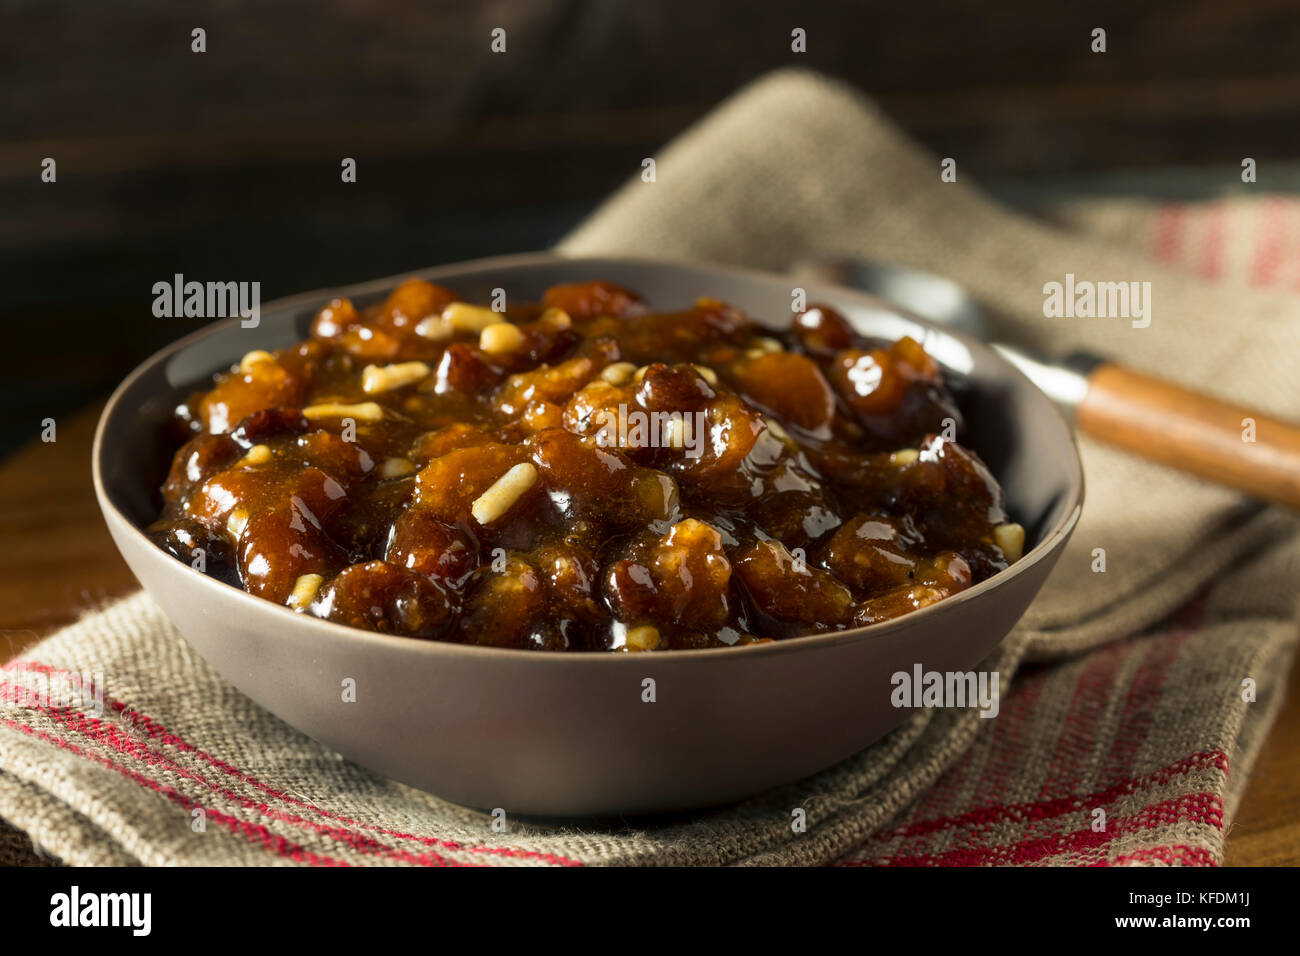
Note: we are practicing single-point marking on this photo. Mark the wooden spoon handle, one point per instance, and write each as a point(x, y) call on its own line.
point(1186, 430)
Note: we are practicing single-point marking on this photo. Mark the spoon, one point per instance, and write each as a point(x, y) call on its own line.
point(1137, 412)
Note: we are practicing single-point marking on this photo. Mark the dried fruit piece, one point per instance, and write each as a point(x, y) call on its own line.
point(586, 300)
point(424, 544)
point(790, 385)
point(822, 331)
point(449, 485)
point(379, 596)
point(786, 587)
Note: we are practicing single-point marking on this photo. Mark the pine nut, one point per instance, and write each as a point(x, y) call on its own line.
point(253, 358)
point(644, 637)
point(498, 499)
point(257, 455)
point(674, 432)
point(1011, 539)
point(777, 431)
point(396, 468)
point(499, 338)
point(707, 374)
point(618, 373)
point(304, 591)
point(464, 317)
point(557, 319)
point(235, 522)
point(383, 378)
point(365, 411)
point(435, 328)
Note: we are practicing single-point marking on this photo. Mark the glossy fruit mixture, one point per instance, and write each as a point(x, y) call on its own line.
point(584, 474)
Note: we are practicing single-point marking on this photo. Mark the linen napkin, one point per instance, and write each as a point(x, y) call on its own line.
point(1134, 698)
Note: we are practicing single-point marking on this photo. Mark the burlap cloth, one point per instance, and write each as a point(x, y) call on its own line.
point(1125, 687)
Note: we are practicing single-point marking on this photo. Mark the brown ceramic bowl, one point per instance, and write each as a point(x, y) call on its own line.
point(569, 734)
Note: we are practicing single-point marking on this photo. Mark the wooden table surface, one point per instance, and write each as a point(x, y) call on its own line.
point(59, 561)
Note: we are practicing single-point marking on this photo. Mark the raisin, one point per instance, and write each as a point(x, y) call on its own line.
point(424, 544)
point(790, 385)
point(196, 461)
point(383, 597)
point(330, 452)
point(435, 444)
point(587, 300)
point(692, 573)
point(584, 479)
point(870, 553)
point(787, 588)
point(267, 424)
point(412, 301)
point(243, 393)
point(822, 331)
point(448, 485)
point(897, 393)
point(896, 603)
point(504, 608)
point(185, 538)
point(462, 369)
point(673, 388)
point(278, 547)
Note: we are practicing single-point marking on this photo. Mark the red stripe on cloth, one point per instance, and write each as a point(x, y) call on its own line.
point(1167, 237)
point(157, 731)
point(1011, 733)
point(1195, 808)
point(1173, 854)
point(1074, 747)
point(1268, 250)
point(1008, 739)
point(109, 736)
point(1142, 702)
point(1046, 809)
point(1216, 240)
point(129, 744)
point(252, 831)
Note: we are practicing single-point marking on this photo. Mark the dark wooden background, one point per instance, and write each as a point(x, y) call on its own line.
point(226, 164)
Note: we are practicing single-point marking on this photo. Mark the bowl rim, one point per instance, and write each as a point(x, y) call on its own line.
point(1051, 541)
